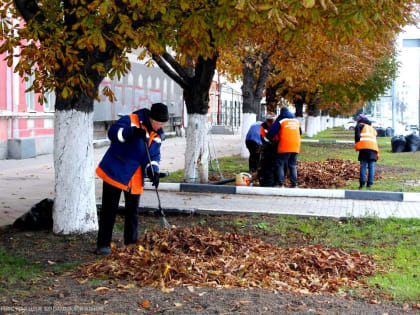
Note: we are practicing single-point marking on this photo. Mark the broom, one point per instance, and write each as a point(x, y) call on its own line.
point(163, 222)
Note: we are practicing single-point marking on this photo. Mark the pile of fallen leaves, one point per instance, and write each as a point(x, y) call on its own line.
point(200, 257)
point(329, 173)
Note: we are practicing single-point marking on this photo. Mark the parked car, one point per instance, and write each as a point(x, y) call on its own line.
point(412, 129)
point(350, 125)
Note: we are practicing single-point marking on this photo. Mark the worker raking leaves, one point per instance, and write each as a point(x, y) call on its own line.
point(134, 154)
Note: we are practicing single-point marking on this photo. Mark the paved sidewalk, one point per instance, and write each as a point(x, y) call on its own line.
point(322, 207)
point(25, 182)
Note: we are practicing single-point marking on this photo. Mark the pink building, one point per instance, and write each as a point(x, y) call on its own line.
point(26, 127)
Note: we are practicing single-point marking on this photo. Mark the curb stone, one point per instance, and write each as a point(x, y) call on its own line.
point(289, 192)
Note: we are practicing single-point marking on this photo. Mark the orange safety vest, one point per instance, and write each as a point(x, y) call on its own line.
point(135, 185)
point(289, 140)
point(367, 139)
point(263, 133)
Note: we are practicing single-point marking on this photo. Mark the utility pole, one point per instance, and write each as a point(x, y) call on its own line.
point(393, 105)
point(219, 100)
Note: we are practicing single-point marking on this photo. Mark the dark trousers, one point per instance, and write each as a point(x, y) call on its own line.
point(266, 171)
point(289, 160)
point(110, 200)
point(254, 155)
point(370, 166)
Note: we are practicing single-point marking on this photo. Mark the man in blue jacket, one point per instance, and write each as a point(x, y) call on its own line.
point(124, 167)
point(253, 140)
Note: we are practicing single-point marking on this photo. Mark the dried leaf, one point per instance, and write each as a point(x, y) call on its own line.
point(83, 281)
point(203, 257)
point(167, 290)
point(145, 303)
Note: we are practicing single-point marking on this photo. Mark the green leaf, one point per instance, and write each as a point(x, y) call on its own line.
point(102, 44)
point(308, 3)
point(184, 5)
point(103, 8)
point(65, 93)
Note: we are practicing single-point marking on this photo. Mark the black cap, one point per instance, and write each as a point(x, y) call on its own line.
point(159, 112)
point(284, 109)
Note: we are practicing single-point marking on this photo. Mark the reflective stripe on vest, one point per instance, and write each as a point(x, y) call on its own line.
point(289, 136)
point(136, 182)
point(263, 133)
point(367, 139)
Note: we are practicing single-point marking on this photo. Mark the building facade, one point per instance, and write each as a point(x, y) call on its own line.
point(27, 128)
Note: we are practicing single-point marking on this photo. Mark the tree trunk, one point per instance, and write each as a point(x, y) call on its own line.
point(311, 126)
point(195, 79)
point(299, 102)
point(74, 206)
point(196, 96)
point(197, 150)
point(249, 108)
point(247, 120)
point(252, 93)
point(299, 107)
point(271, 98)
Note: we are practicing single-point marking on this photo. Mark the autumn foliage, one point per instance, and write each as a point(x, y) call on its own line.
point(328, 174)
point(199, 257)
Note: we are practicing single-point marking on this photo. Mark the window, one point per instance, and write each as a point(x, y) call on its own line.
point(30, 96)
point(49, 102)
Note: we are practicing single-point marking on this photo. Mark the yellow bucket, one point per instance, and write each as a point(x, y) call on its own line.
point(243, 179)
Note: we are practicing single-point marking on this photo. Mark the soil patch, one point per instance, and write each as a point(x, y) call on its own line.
point(55, 290)
point(390, 169)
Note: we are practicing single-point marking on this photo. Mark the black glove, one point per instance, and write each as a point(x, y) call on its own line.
point(139, 133)
point(154, 177)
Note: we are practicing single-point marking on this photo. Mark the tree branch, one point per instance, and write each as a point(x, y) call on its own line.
point(262, 78)
point(205, 69)
point(171, 73)
point(176, 66)
point(28, 9)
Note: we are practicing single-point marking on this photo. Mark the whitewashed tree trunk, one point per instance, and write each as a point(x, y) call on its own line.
point(74, 209)
point(247, 121)
point(311, 122)
point(317, 124)
point(323, 123)
point(197, 150)
point(301, 121)
point(329, 122)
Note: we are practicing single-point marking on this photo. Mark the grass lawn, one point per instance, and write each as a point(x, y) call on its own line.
point(400, 171)
point(394, 242)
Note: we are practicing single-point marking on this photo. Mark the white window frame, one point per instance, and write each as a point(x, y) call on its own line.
point(49, 104)
point(30, 96)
